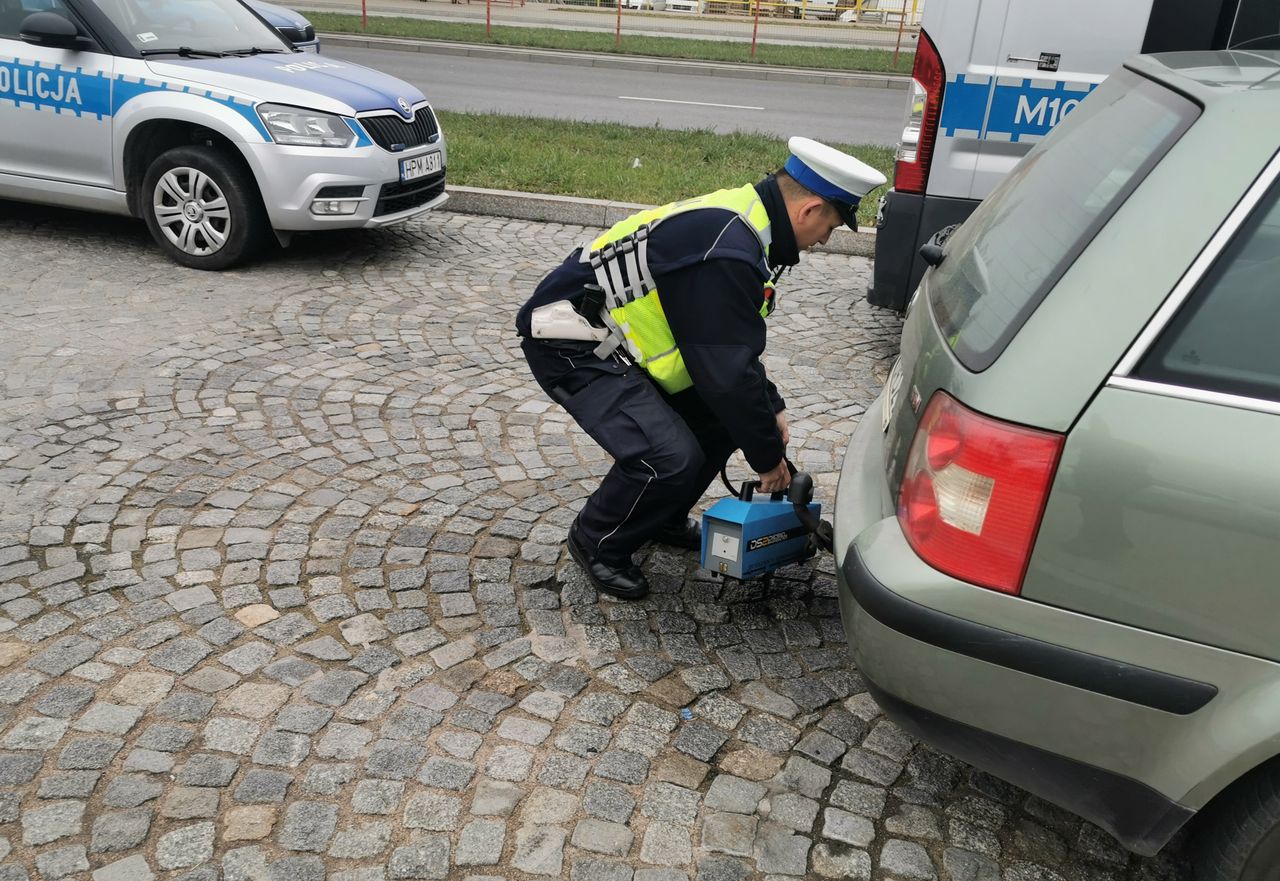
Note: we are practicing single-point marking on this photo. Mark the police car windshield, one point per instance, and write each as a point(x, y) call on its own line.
point(191, 27)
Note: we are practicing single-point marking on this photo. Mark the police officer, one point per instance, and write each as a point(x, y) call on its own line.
point(650, 337)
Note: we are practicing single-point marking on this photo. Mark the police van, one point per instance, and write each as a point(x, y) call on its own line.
point(992, 77)
point(203, 120)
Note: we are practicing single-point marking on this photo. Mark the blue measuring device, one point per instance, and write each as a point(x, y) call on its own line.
point(752, 535)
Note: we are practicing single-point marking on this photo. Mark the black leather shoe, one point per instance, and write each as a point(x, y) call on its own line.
point(687, 536)
point(623, 582)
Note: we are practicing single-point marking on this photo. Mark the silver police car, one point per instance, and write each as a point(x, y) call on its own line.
point(201, 119)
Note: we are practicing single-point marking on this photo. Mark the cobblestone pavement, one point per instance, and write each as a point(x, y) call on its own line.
point(283, 596)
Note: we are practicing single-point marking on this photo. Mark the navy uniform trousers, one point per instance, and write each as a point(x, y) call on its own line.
point(666, 448)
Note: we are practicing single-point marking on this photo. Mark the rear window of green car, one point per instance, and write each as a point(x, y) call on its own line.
point(1024, 236)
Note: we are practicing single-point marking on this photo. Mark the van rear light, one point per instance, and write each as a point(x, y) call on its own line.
point(974, 491)
point(915, 151)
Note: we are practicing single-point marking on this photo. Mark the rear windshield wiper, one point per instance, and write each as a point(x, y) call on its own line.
point(185, 52)
point(255, 51)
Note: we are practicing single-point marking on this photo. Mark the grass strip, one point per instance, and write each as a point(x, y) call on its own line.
point(598, 160)
point(807, 57)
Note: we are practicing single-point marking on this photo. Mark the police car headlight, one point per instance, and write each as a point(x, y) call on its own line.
point(305, 128)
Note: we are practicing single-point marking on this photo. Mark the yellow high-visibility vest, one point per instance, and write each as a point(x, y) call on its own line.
point(632, 310)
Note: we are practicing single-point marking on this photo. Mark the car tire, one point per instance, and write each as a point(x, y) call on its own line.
point(202, 208)
point(1240, 838)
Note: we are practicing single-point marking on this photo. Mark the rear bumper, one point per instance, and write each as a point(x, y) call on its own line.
point(1138, 816)
point(1078, 710)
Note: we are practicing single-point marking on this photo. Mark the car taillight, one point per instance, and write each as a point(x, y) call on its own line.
point(915, 151)
point(974, 491)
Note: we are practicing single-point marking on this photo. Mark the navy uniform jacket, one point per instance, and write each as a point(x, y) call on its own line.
point(713, 308)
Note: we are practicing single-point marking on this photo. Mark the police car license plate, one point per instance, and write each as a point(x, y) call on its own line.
point(419, 166)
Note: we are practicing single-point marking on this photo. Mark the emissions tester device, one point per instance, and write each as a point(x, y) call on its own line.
point(750, 535)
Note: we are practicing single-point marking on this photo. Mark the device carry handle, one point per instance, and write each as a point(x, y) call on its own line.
point(750, 486)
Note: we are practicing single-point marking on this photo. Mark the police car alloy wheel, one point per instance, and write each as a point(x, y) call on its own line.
point(191, 211)
point(202, 208)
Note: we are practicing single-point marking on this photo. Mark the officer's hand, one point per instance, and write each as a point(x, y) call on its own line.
point(781, 416)
point(776, 479)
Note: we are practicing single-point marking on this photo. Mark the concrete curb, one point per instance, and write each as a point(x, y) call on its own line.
point(623, 62)
point(601, 213)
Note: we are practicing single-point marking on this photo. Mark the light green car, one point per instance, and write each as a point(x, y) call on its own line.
point(1058, 528)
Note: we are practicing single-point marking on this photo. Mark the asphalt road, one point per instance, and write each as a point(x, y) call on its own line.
point(673, 101)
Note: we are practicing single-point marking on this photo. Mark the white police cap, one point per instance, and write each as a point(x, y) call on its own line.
point(838, 177)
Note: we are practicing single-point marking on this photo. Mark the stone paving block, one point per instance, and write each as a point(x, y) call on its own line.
point(608, 801)
point(599, 709)
point(328, 779)
point(961, 865)
point(343, 741)
point(181, 654)
point(495, 798)
point(670, 804)
point(228, 734)
point(548, 807)
point(131, 790)
point(914, 821)
point(803, 776)
point(793, 810)
point(860, 798)
point(783, 853)
point(666, 845)
point(435, 811)
point(68, 784)
point(601, 836)
point(185, 847)
point(844, 863)
point(282, 749)
point(59, 819)
point(117, 831)
point(377, 796)
point(425, 858)
point(524, 730)
point(262, 786)
point(362, 842)
point(445, 773)
point(142, 689)
point(459, 744)
point(871, 767)
point(481, 843)
point(733, 794)
point(131, 868)
point(595, 869)
point(585, 741)
point(62, 861)
point(36, 733)
point(249, 823)
point(302, 719)
point(190, 802)
point(510, 763)
point(681, 770)
point(847, 828)
point(308, 826)
point(622, 766)
point(211, 680)
point(729, 833)
point(907, 859)
point(254, 700)
point(65, 701)
point(539, 850)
